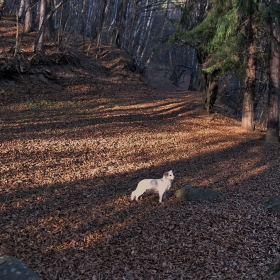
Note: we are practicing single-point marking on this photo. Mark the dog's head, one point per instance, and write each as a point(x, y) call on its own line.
point(168, 175)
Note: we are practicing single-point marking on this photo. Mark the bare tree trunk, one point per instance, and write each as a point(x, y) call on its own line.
point(42, 18)
point(144, 29)
point(17, 39)
point(248, 106)
point(147, 35)
point(272, 133)
point(49, 27)
point(250, 81)
point(137, 32)
point(63, 19)
point(84, 17)
point(39, 41)
point(21, 9)
point(165, 18)
point(118, 34)
point(27, 17)
point(131, 25)
point(104, 6)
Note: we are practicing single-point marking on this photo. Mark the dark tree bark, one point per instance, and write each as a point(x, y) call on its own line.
point(2, 3)
point(207, 82)
point(272, 134)
point(102, 17)
point(192, 86)
point(210, 90)
point(250, 80)
point(118, 34)
point(132, 25)
point(42, 18)
point(49, 27)
point(84, 17)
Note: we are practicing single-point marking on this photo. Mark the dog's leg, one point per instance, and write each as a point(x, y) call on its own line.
point(138, 192)
point(161, 196)
point(133, 195)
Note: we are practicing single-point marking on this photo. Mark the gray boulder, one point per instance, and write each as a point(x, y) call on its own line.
point(273, 204)
point(275, 271)
point(14, 269)
point(198, 194)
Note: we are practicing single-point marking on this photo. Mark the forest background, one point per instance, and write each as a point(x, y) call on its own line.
point(230, 47)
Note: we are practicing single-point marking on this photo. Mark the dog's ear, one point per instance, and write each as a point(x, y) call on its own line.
point(165, 174)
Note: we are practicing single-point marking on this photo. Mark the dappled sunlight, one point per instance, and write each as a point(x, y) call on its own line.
point(90, 150)
point(72, 153)
point(65, 191)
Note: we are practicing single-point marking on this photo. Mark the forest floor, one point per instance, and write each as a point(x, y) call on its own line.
point(75, 139)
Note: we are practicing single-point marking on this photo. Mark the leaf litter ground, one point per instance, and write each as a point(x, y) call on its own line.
point(72, 151)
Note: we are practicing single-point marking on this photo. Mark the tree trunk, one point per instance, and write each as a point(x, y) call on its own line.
point(192, 82)
point(210, 90)
point(250, 80)
point(118, 34)
point(28, 17)
point(40, 46)
point(132, 25)
point(272, 134)
point(39, 41)
point(148, 29)
point(201, 57)
point(21, 9)
point(103, 8)
point(161, 33)
point(1, 7)
point(248, 109)
point(49, 27)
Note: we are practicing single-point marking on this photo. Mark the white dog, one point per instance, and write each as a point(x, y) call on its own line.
point(160, 186)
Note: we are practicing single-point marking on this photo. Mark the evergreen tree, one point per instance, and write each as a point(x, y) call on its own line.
point(226, 39)
point(272, 17)
point(214, 40)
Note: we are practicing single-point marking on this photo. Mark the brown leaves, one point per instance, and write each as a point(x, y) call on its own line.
point(68, 168)
point(66, 208)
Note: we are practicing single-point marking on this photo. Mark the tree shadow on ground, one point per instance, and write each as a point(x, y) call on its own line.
point(83, 225)
point(41, 122)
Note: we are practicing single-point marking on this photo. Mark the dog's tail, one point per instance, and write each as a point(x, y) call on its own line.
point(133, 195)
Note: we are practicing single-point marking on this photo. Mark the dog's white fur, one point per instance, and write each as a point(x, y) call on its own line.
point(160, 186)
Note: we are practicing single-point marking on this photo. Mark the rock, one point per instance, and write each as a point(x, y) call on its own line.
point(273, 204)
point(198, 194)
point(275, 271)
point(14, 269)
point(275, 276)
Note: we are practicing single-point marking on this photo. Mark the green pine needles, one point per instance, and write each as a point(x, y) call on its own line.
point(221, 32)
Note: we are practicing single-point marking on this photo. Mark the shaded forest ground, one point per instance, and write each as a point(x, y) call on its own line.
point(75, 140)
